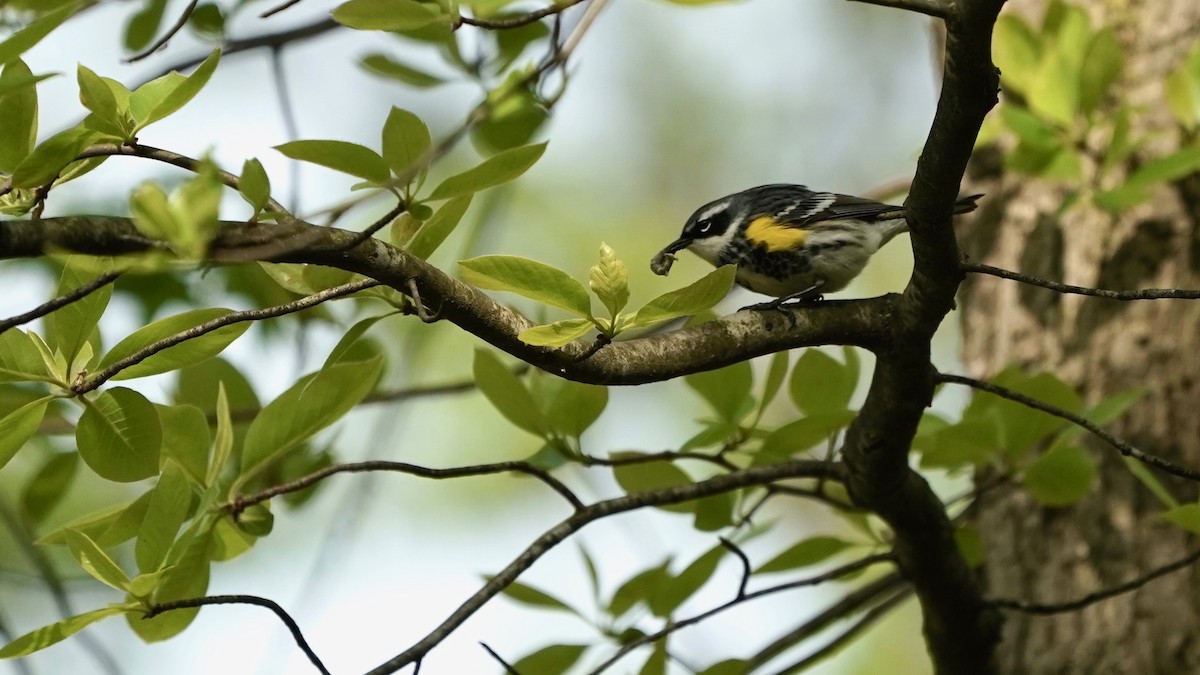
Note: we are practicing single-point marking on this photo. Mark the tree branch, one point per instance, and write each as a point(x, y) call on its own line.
point(60, 301)
point(740, 598)
point(580, 519)
point(864, 622)
point(243, 501)
point(520, 20)
point(153, 348)
point(1090, 598)
point(1122, 446)
point(159, 43)
point(273, 40)
point(938, 9)
point(286, 618)
point(1144, 294)
point(744, 335)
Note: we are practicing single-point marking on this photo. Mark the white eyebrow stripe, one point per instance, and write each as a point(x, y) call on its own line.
point(717, 208)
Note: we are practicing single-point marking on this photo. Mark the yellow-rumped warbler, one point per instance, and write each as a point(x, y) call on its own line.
point(789, 241)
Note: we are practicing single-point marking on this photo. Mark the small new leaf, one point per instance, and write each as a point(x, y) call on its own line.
point(609, 280)
point(693, 299)
point(495, 170)
point(556, 334)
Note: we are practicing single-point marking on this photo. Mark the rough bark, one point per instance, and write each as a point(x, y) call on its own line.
point(1102, 347)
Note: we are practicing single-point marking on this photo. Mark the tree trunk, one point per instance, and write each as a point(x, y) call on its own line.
point(1102, 347)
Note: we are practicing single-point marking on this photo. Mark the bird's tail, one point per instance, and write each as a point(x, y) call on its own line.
point(966, 204)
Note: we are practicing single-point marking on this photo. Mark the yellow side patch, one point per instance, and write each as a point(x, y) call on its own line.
point(766, 231)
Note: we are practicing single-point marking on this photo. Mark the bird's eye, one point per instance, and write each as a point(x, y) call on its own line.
point(704, 226)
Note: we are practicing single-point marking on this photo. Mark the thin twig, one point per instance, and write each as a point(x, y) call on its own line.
point(376, 226)
point(580, 519)
point(938, 9)
point(244, 501)
point(1122, 446)
point(159, 43)
point(867, 592)
point(665, 456)
point(599, 343)
point(153, 348)
point(60, 301)
point(276, 39)
point(278, 8)
point(1090, 598)
point(165, 156)
point(286, 618)
point(521, 20)
point(747, 570)
point(864, 622)
point(290, 128)
point(1144, 294)
point(842, 608)
point(504, 664)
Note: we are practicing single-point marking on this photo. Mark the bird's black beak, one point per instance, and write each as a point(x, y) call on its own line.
point(661, 263)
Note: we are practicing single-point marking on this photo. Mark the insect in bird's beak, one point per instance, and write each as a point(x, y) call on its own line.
point(661, 263)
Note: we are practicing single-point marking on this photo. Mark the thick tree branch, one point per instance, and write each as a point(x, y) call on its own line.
point(1091, 598)
point(1143, 294)
point(1122, 446)
point(286, 618)
point(961, 629)
point(938, 9)
point(744, 335)
point(580, 519)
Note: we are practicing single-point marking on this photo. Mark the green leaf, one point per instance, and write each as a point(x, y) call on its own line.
point(970, 545)
point(550, 660)
point(168, 510)
point(686, 583)
point(305, 279)
point(30, 35)
point(802, 434)
point(575, 406)
point(48, 486)
point(223, 441)
point(386, 14)
point(69, 327)
point(508, 394)
point(208, 21)
point(55, 632)
point(689, 300)
point(556, 334)
point(1030, 128)
point(1183, 95)
point(1020, 425)
point(1186, 517)
point(163, 96)
point(187, 577)
point(51, 158)
point(726, 390)
point(728, 666)
point(528, 595)
point(1146, 477)
point(714, 513)
point(19, 426)
point(18, 114)
point(656, 663)
point(406, 141)
point(645, 476)
point(639, 588)
point(316, 401)
point(776, 373)
point(806, 553)
point(97, 97)
point(386, 66)
point(1178, 164)
point(350, 158)
point(1016, 51)
point(970, 442)
point(186, 439)
point(119, 436)
point(95, 561)
point(434, 232)
point(1111, 408)
point(1054, 92)
point(1061, 476)
point(254, 184)
point(820, 384)
point(143, 24)
point(19, 358)
point(1100, 68)
point(497, 169)
point(532, 279)
point(185, 353)
point(609, 280)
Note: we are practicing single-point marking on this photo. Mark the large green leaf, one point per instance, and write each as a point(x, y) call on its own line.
point(27, 37)
point(95, 561)
point(805, 554)
point(351, 158)
point(1061, 476)
point(69, 327)
point(406, 140)
point(187, 577)
point(18, 426)
point(51, 157)
point(18, 114)
point(646, 476)
point(508, 394)
point(436, 229)
point(49, 485)
point(727, 390)
point(689, 300)
point(181, 355)
point(530, 278)
point(20, 359)
point(550, 660)
point(55, 632)
point(386, 14)
point(820, 384)
point(119, 435)
point(313, 403)
point(163, 96)
point(186, 439)
point(495, 170)
point(167, 512)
